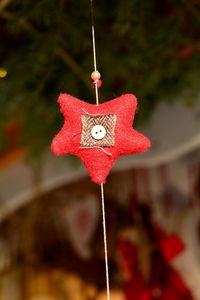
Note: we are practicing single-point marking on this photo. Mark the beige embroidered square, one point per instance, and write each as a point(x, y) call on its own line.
point(98, 130)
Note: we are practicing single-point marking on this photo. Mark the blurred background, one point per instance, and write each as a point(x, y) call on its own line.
point(51, 239)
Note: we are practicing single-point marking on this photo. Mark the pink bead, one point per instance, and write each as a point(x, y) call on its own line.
point(95, 75)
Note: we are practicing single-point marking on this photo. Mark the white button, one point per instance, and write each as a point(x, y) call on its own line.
point(98, 132)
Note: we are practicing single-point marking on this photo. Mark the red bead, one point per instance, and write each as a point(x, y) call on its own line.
point(98, 83)
point(95, 75)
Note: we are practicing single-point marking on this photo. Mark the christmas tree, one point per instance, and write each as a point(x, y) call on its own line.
point(149, 48)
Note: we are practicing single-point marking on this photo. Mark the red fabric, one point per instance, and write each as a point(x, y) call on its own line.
point(175, 288)
point(134, 283)
point(146, 295)
point(128, 254)
point(171, 246)
point(168, 285)
point(127, 140)
point(134, 289)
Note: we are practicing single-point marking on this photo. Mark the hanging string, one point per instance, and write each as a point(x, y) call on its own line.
point(93, 35)
point(102, 187)
point(105, 242)
point(94, 50)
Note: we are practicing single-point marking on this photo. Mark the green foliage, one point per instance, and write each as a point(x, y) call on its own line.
point(149, 48)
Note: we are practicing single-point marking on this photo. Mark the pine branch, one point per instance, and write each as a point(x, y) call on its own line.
point(193, 9)
point(73, 65)
point(4, 4)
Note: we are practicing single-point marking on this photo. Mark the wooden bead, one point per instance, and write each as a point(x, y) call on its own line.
point(95, 75)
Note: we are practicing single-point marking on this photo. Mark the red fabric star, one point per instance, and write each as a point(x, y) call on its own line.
point(121, 138)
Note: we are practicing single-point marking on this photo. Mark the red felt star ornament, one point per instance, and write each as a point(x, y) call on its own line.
point(98, 134)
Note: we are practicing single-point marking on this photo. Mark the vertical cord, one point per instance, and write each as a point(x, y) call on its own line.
point(94, 50)
point(102, 189)
point(96, 94)
point(105, 243)
point(93, 35)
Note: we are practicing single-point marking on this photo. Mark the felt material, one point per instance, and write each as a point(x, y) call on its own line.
point(99, 160)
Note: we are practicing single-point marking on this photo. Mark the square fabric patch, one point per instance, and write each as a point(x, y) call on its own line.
point(98, 130)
